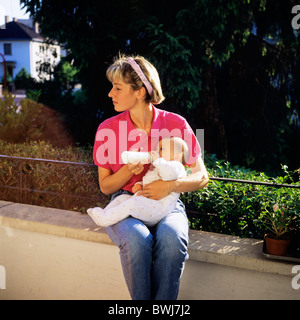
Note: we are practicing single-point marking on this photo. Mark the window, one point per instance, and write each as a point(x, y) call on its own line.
point(7, 49)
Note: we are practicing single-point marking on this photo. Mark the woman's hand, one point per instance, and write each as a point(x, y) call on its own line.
point(156, 190)
point(111, 182)
point(135, 168)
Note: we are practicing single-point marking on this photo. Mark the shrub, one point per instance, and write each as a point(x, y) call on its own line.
point(23, 80)
point(56, 181)
point(31, 121)
point(24, 128)
point(33, 95)
point(233, 208)
point(19, 123)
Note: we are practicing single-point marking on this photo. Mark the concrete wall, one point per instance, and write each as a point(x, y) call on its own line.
point(56, 254)
point(43, 266)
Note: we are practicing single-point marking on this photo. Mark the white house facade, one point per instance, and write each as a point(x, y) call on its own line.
point(24, 47)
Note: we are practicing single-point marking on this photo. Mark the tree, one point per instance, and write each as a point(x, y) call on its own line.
point(193, 45)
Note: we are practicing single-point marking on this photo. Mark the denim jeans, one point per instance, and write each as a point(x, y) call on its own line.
point(153, 258)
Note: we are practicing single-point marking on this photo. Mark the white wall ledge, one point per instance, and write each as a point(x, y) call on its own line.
point(51, 221)
point(203, 246)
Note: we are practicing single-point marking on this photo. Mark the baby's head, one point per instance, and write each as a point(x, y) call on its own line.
point(173, 148)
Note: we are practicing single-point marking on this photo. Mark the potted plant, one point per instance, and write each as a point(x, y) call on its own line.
point(277, 224)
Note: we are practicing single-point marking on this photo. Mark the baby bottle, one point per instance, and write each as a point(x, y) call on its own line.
point(134, 156)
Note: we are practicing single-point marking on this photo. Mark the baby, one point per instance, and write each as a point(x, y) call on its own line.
point(167, 165)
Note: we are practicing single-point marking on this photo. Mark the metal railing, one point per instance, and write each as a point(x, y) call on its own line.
point(23, 189)
point(269, 184)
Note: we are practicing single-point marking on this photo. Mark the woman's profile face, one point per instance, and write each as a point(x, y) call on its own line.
point(122, 95)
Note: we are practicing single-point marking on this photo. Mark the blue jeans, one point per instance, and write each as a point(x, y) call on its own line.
point(153, 258)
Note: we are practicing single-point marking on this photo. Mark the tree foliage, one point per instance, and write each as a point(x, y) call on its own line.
point(231, 67)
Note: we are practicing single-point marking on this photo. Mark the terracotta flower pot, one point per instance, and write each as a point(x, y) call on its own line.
point(277, 247)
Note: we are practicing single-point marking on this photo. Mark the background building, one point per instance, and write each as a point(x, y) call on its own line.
point(24, 47)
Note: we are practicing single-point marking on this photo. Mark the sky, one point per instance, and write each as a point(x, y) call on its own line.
point(11, 8)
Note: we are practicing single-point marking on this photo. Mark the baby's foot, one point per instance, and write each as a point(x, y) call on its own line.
point(95, 214)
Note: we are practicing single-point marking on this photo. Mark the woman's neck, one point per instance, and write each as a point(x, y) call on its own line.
point(142, 116)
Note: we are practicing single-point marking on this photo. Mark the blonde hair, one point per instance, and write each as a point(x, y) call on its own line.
point(122, 69)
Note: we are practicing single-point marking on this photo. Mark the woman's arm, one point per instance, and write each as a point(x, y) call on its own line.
point(112, 182)
point(197, 180)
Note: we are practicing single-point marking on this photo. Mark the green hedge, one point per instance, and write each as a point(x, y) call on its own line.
point(232, 208)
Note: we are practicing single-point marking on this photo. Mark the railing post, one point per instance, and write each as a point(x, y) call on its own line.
point(21, 181)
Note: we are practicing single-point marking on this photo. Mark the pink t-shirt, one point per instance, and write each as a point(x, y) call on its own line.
point(118, 134)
